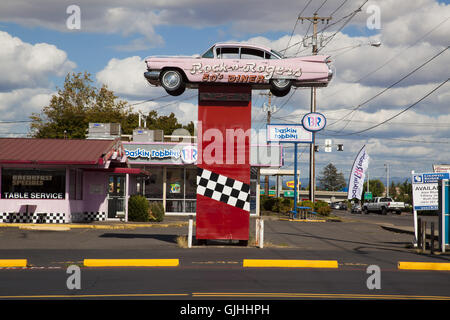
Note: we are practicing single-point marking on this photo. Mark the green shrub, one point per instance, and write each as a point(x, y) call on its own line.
point(156, 211)
point(306, 203)
point(138, 208)
point(324, 210)
point(282, 205)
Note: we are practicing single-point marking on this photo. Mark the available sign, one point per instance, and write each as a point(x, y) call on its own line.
point(288, 133)
point(425, 190)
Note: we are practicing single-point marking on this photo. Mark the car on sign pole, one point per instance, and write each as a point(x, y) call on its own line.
point(239, 63)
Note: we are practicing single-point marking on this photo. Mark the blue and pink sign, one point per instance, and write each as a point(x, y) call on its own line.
point(314, 121)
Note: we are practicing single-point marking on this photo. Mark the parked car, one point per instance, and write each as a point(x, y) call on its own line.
point(383, 205)
point(338, 206)
point(239, 63)
point(356, 208)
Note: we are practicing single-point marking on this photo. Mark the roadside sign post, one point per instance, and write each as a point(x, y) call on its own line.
point(426, 195)
point(444, 214)
point(296, 133)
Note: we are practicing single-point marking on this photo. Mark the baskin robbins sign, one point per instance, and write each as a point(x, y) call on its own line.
point(288, 133)
point(162, 153)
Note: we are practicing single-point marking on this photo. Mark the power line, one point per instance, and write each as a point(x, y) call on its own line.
point(152, 99)
point(345, 23)
point(295, 25)
point(389, 87)
point(396, 115)
point(371, 136)
point(15, 121)
point(320, 6)
point(338, 7)
point(392, 58)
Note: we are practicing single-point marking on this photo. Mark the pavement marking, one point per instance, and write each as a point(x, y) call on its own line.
point(7, 263)
point(131, 262)
point(58, 296)
point(437, 266)
point(290, 263)
point(315, 295)
point(215, 262)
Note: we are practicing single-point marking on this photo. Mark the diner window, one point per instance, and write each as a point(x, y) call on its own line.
point(33, 184)
point(153, 184)
point(181, 190)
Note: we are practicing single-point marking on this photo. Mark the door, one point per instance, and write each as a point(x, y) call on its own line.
point(116, 195)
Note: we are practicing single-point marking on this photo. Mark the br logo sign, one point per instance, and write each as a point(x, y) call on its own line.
point(314, 121)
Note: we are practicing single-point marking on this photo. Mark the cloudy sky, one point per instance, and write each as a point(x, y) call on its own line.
point(38, 50)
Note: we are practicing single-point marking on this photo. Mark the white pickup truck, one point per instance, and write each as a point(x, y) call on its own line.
point(383, 205)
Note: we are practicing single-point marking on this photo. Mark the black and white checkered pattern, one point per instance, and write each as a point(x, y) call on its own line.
point(221, 188)
point(22, 217)
point(94, 216)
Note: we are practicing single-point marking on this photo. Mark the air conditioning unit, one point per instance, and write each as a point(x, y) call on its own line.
point(146, 135)
point(103, 130)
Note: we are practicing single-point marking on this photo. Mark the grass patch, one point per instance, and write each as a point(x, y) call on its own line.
point(182, 241)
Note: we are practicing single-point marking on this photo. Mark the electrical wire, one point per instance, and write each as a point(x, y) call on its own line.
point(389, 87)
point(296, 22)
point(399, 113)
point(152, 99)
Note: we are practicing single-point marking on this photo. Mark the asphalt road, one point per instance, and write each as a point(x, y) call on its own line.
point(216, 271)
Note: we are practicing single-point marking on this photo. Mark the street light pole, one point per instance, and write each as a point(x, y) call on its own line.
point(387, 179)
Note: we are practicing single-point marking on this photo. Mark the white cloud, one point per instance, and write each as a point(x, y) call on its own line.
point(24, 65)
point(126, 78)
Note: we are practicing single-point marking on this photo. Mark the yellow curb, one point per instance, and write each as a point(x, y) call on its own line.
point(82, 226)
point(45, 228)
point(438, 266)
point(290, 263)
point(302, 220)
point(131, 262)
point(9, 263)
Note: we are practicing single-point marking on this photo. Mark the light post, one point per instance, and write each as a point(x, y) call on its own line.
point(387, 179)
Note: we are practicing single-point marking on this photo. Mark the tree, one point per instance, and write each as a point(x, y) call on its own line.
point(78, 103)
point(393, 191)
point(75, 105)
point(331, 179)
point(376, 187)
point(405, 192)
point(166, 123)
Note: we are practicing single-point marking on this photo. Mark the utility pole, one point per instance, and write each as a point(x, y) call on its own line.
point(315, 49)
point(269, 110)
point(387, 179)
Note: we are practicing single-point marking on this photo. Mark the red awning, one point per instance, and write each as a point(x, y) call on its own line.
point(120, 170)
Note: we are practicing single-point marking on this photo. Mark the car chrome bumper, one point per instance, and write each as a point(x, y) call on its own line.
point(152, 76)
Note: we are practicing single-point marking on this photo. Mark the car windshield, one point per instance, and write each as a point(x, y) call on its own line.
point(209, 53)
point(276, 55)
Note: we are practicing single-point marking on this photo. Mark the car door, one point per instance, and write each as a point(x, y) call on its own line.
point(254, 65)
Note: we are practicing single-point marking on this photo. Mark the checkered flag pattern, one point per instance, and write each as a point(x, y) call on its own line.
point(221, 188)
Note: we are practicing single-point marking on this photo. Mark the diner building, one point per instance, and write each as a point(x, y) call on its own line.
point(64, 181)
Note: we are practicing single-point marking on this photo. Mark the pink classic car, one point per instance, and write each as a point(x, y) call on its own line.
point(238, 63)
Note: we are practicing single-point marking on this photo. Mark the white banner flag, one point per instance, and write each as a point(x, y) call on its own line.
point(358, 174)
